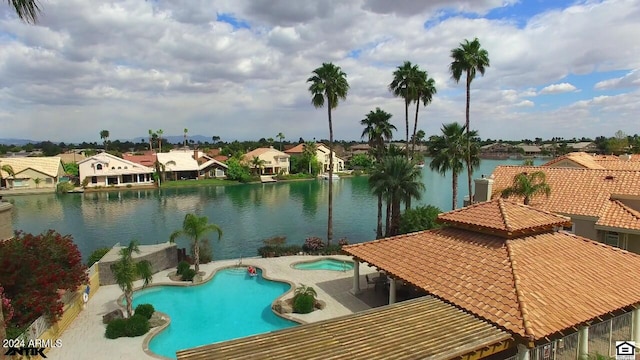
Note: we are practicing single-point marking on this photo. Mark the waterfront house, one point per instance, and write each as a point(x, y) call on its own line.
point(146, 158)
point(497, 150)
point(603, 205)
point(588, 161)
point(529, 150)
point(274, 161)
point(585, 146)
point(322, 155)
point(105, 169)
point(186, 164)
point(32, 172)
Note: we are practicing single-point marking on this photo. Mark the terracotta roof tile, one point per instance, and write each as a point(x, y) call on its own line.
point(588, 161)
point(533, 286)
point(298, 149)
point(504, 218)
point(585, 192)
point(618, 215)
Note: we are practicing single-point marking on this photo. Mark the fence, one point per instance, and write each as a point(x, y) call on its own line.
point(602, 339)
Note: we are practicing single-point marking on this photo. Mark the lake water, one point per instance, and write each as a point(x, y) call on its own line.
point(246, 213)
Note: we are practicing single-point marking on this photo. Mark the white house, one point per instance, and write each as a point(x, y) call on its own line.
point(105, 169)
point(322, 155)
point(274, 161)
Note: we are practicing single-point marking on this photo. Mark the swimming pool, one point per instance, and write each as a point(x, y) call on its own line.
point(325, 264)
point(229, 306)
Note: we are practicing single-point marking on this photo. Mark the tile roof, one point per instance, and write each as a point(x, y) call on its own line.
point(575, 191)
point(618, 215)
point(503, 218)
point(423, 328)
point(611, 162)
point(533, 286)
point(146, 159)
point(298, 149)
point(178, 161)
point(48, 165)
point(112, 161)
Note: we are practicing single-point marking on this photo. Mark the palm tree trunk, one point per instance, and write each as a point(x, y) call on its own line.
point(196, 256)
point(395, 215)
point(330, 214)
point(128, 296)
point(406, 120)
point(526, 200)
point(469, 169)
point(407, 204)
point(387, 229)
point(415, 128)
point(379, 227)
point(454, 191)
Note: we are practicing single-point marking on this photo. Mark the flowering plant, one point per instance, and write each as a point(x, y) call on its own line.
point(7, 309)
point(313, 244)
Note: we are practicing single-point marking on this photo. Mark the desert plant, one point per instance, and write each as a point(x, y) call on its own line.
point(304, 299)
point(145, 310)
point(182, 267)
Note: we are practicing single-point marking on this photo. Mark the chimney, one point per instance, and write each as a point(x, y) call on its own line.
point(195, 154)
point(483, 189)
point(625, 157)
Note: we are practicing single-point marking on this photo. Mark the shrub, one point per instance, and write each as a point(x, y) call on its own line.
point(313, 244)
point(85, 182)
point(304, 304)
point(419, 218)
point(96, 255)
point(292, 249)
point(129, 185)
point(264, 250)
point(137, 325)
point(64, 187)
point(188, 274)
point(116, 328)
point(145, 310)
point(342, 242)
point(182, 267)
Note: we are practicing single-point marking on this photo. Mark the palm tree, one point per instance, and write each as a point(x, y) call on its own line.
point(328, 83)
point(104, 135)
point(404, 85)
point(215, 138)
point(398, 180)
point(27, 10)
point(160, 132)
point(468, 59)
point(9, 170)
point(258, 164)
point(280, 137)
point(448, 152)
point(37, 181)
point(309, 152)
point(152, 135)
point(378, 129)
point(185, 136)
point(126, 271)
point(195, 227)
point(528, 185)
point(425, 89)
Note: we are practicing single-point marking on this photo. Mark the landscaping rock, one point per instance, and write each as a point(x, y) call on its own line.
point(320, 304)
point(283, 307)
point(115, 314)
point(157, 320)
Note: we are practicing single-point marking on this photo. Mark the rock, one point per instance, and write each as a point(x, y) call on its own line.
point(282, 307)
point(157, 320)
point(320, 304)
point(115, 314)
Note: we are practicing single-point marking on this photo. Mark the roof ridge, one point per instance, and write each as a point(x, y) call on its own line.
point(550, 168)
point(626, 208)
point(504, 216)
point(522, 308)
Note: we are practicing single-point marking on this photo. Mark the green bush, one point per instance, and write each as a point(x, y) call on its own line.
point(116, 328)
point(182, 267)
point(188, 275)
point(145, 310)
point(419, 218)
point(304, 303)
point(96, 255)
point(64, 187)
point(137, 325)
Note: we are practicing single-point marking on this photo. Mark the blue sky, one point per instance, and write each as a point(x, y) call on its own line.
point(238, 69)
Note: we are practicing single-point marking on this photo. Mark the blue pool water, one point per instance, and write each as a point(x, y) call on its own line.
point(325, 264)
point(229, 306)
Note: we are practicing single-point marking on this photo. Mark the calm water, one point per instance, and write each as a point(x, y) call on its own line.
point(247, 214)
point(325, 264)
point(206, 314)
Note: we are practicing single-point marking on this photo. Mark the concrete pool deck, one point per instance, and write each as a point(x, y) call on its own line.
point(85, 336)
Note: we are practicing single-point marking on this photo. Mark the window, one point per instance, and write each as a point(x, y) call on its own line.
point(99, 167)
point(612, 238)
point(571, 229)
point(119, 167)
point(49, 181)
point(113, 168)
point(126, 167)
point(94, 179)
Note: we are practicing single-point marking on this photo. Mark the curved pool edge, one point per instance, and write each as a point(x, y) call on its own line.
point(292, 265)
point(157, 330)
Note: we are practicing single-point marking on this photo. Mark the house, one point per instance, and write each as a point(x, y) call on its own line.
point(585, 146)
point(105, 169)
point(32, 172)
point(148, 158)
point(603, 205)
point(529, 150)
point(188, 164)
point(71, 157)
point(274, 161)
point(588, 161)
point(496, 150)
point(322, 155)
point(360, 149)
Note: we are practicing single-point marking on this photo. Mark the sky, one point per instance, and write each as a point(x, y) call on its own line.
point(238, 69)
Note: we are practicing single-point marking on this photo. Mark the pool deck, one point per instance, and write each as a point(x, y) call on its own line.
point(86, 334)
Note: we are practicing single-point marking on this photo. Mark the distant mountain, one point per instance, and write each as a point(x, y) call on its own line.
point(17, 142)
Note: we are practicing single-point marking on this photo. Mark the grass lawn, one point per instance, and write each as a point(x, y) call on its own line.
point(201, 182)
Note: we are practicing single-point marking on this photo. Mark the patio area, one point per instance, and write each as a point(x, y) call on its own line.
point(86, 334)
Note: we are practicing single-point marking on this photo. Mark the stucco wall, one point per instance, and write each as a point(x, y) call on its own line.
point(30, 184)
point(633, 243)
point(585, 228)
point(161, 257)
point(6, 222)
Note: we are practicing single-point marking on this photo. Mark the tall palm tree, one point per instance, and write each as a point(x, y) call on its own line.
point(425, 89)
point(280, 137)
point(126, 271)
point(196, 228)
point(185, 136)
point(27, 10)
point(527, 185)
point(378, 129)
point(8, 169)
point(470, 58)
point(104, 135)
point(404, 85)
point(215, 138)
point(328, 83)
point(160, 132)
point(399, 180)
point(258, 164)
point(448, 152)
point(152, 135)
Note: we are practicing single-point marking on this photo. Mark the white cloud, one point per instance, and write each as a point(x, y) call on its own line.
point(558, 88)
point(631, 79)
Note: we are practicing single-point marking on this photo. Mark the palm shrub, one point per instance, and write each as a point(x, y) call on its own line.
point(145, 310)
point(188, 275)
point(182, 267)
point(304, 299)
